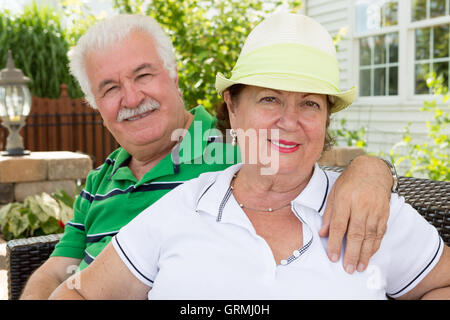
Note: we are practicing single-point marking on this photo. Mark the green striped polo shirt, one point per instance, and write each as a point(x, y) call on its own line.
point(113, 196)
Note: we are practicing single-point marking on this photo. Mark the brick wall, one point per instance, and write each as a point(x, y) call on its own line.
point(41, 172)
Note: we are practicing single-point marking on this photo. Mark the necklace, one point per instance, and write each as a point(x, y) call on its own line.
point(254, 209)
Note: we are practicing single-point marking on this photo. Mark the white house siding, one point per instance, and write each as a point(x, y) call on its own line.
point(384, 118)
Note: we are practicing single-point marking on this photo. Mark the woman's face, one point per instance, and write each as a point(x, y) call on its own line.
point(288, 127)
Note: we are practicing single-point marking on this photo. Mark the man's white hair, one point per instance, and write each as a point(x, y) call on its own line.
point(111, 31)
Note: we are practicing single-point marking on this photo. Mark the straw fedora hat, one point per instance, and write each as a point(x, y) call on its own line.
point(290, 52)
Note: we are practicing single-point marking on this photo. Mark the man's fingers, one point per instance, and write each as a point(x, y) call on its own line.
point(338, 227)
point(368, 244)
point(326, 217)
point(355, 238)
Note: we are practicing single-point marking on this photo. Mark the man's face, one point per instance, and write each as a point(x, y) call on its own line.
point(139, 103)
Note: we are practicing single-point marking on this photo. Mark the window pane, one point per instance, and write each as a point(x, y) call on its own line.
point(441, 69)
point(422, 43)
point(390, 10)
point(364, 51)
point(364, 83)
point(392, 42)
point(419, 10)
point(422, 70)
point(379, 82)
point(375, 14)
point(440, 41)
point(380, 50)
point(437, 8)
point(393, 81)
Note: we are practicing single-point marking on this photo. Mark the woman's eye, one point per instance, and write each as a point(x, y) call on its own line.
point(269, 99)
point(310, 103)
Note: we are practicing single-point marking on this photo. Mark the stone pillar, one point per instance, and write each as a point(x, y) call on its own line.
point(41, 172)
point(340, 156)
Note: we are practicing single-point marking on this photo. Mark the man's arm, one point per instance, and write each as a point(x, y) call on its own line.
point(358, 206)
point(107, 277)
point(48, 277)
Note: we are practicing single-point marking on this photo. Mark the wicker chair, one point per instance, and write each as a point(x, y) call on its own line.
point(430, 198)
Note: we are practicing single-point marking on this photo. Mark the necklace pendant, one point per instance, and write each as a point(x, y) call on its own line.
point(270, 210)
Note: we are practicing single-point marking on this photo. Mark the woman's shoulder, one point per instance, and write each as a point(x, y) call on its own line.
point(186, 195)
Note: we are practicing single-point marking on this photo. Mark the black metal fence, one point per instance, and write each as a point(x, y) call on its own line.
point(65, 124)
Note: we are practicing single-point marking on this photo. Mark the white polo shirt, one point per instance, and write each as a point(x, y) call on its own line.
point(197, 243)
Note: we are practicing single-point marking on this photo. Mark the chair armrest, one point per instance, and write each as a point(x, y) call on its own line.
point(23, 256)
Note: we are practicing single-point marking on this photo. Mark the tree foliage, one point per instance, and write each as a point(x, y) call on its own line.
point(37, 41)
point(207, 36)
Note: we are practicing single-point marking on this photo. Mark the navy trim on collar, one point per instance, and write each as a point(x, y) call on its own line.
point(326, 192)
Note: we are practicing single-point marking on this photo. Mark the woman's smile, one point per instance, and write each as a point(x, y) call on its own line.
point(284, 146)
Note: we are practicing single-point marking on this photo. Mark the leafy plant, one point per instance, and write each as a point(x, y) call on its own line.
point(207, 36)
point(37, 215)
point(352, 138)
point(429, 159)
point(37, 40)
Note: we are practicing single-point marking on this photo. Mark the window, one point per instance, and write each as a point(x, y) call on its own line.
point(418, 31)
point(426, 9)
point(431, 43)
point(378, 53)
point(379, 65)
point(431, 55)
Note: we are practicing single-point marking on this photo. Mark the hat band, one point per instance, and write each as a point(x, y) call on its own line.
point(290, 61)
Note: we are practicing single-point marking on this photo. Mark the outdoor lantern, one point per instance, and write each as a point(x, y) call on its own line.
point(15, 104)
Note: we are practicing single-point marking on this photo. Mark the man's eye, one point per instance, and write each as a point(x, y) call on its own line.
point(143, 76)
point(110, 90)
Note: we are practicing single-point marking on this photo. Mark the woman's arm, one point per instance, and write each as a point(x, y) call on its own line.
point(107, 277)
point(436, 285)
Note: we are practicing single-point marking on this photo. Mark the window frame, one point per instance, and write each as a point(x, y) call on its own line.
point(406, 58)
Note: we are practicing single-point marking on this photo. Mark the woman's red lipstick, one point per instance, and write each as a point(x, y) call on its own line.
point(284, 146)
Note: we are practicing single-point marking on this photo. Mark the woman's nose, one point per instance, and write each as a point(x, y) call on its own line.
point(289, 117)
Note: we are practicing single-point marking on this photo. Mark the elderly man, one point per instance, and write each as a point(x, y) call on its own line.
point(127, 70)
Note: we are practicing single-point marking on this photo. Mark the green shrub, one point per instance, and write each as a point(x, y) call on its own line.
point(352, 138)
point(37, 41)
point(429, 159)
point(37, 215)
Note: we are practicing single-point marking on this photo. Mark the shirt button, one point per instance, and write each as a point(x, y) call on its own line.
point(296, 253)
point(283, 262)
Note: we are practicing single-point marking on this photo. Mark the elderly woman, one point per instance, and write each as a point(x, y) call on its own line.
point(253, 233)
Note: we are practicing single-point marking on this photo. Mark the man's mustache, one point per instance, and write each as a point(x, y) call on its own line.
point(147, 105)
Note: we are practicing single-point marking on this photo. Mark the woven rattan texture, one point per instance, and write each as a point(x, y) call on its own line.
point(23, 256)
point(431, 199)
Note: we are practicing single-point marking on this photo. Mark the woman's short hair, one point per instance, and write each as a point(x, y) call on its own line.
point(223, 118)
point(111, 31)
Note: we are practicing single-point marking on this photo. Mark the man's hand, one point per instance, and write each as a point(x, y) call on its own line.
point(358, 205)
point(48, 277)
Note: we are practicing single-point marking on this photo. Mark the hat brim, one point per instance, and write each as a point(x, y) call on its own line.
point(286, 83)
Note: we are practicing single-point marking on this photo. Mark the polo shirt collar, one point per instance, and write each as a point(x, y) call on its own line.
point(201, 123)
point(122, 160)
point(216, 197)
point(196, 139)
point(315, 194)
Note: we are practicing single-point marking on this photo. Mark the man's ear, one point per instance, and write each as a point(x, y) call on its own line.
point(176, 82)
